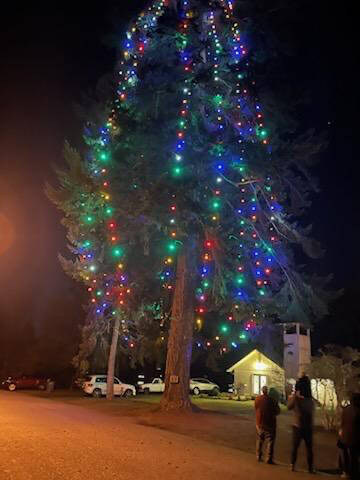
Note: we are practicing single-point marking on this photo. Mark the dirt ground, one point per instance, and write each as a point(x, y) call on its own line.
point(231, 424)
point(221, 423)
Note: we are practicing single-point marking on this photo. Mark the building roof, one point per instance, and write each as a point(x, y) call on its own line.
point(255, 351)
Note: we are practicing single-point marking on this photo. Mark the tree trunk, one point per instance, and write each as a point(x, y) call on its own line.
point(177, 373)
point(112, 360)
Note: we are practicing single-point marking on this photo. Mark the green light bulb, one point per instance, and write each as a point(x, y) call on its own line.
point(172, 247)
point(218, 99)
point(109, 211)
point(224, 328)
point(117, 252)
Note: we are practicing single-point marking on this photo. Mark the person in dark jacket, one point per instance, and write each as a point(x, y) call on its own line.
point(349, 438)
point(302, 404)
point(266, 410)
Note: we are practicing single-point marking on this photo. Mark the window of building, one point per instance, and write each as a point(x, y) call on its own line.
point(258, 382)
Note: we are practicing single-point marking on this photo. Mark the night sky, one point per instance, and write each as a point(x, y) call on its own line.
point(50, 57)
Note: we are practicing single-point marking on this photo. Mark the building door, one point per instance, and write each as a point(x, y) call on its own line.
point(258, 382)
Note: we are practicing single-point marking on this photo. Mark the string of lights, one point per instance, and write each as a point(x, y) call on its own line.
point(234, 116)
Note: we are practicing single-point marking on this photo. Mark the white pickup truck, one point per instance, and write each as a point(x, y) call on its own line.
point(156, 386)
point(197, 386)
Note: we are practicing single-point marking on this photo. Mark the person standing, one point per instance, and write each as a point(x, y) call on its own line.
point(349, 438)
point(302, 404)
point(266, 410)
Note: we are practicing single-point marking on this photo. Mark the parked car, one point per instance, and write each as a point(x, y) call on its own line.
point(24, 383)
point(203, 385)
point(96, 385)
point(156, 386)
point(197, 386)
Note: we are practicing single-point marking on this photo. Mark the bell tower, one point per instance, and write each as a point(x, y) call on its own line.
point(297, 349)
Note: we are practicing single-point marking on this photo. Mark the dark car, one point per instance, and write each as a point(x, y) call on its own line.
point(24, 383)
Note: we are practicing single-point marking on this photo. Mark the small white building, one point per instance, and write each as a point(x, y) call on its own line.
point(254, 371)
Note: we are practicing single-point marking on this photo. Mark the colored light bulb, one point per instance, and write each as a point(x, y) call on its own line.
point(117, 252)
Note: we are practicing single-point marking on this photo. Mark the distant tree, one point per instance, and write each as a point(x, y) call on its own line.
point(342, 366)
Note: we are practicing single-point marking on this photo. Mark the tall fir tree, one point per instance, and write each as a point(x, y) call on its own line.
point(201, 169)
point(201, 186)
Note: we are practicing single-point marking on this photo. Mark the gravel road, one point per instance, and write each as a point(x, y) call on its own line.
point(53, 440)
